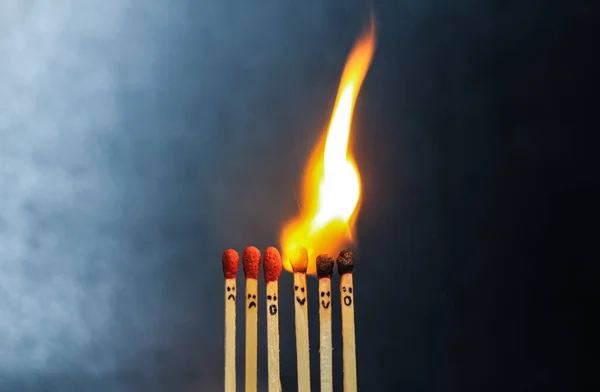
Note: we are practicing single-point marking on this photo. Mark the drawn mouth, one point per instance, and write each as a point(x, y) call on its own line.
point(301, 301)
point(231, 296)
point(252, 305)
point(347, 300)
point(325, 306)
point(273, 310)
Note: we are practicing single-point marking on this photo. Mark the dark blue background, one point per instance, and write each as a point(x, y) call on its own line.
point(138, 140)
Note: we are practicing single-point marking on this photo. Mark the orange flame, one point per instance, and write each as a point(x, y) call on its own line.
point(331, 188)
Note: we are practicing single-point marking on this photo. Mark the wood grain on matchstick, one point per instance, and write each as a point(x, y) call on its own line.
point(251, 335)
point(230, 335)
point(345, 264)
point(251, 263)
point(348, 338)
point(302, 343)
point(272, 269)
point(326, 345)
point(230, 261)
point(324, 270)
point(273, 337)
point(299, 264)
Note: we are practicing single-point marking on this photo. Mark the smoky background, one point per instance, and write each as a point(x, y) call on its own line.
point(138, 140)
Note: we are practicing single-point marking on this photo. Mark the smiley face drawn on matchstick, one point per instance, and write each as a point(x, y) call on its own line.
point(273, 306)
point(231, 290)
point(251, 301)
point(301, 301)
point(324, 268)
point(347, 292)
point(323, 303)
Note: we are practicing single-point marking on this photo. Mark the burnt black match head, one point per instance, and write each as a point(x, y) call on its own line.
point(345, 262)
point(324, 266)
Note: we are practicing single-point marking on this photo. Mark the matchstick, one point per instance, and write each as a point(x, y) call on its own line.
point(345, 265)
point(230, 262)
point(299, 265)
point(250, 263)
point(272, 269)
point(324, 269)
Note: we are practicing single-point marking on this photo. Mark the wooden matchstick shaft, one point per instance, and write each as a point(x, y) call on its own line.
point(349, 345)
point(325, 335)
point(230, 335)
point(273, 337)
point(251, 334)
point(302, 343)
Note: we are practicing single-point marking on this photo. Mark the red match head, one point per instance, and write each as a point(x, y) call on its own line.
point(251, 262)
point(230, 261)
point(271, 264)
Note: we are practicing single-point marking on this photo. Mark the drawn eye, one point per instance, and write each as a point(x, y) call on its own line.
point(228, 288)
point(322, 293)
point(302, 289)
point(344, 289)
point(295, 288)
point(269, 297)
point(350, 290)
point(249, 295)
point(233, 288)
point(253, 296)
point(328, 293)
point(274, 298)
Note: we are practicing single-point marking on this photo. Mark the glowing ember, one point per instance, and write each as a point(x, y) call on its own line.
point(331, 189)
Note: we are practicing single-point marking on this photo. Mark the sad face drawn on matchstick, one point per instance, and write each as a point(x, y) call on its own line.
point(231, 290)
point(251, 301)
point(347, 292)
point(251, 261)
point(297, 289)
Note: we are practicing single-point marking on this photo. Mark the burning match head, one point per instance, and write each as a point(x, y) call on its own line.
point(271, 264)
point(299, 260)
point(251, 262)
point(230, 261)
point(324, 266)
point(345, 262)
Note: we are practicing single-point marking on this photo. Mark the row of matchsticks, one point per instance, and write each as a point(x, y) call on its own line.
point(271, 270)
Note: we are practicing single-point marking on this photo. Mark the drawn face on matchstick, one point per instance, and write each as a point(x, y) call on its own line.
point(251, 261)
point(325, 265)
point(272, 302)
point(251, 301)
point(299, 263)
point(272, 269)
point(300, 297)
point(347, 293)
point(231, 291)
point(325, 299)
point(345, 264)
